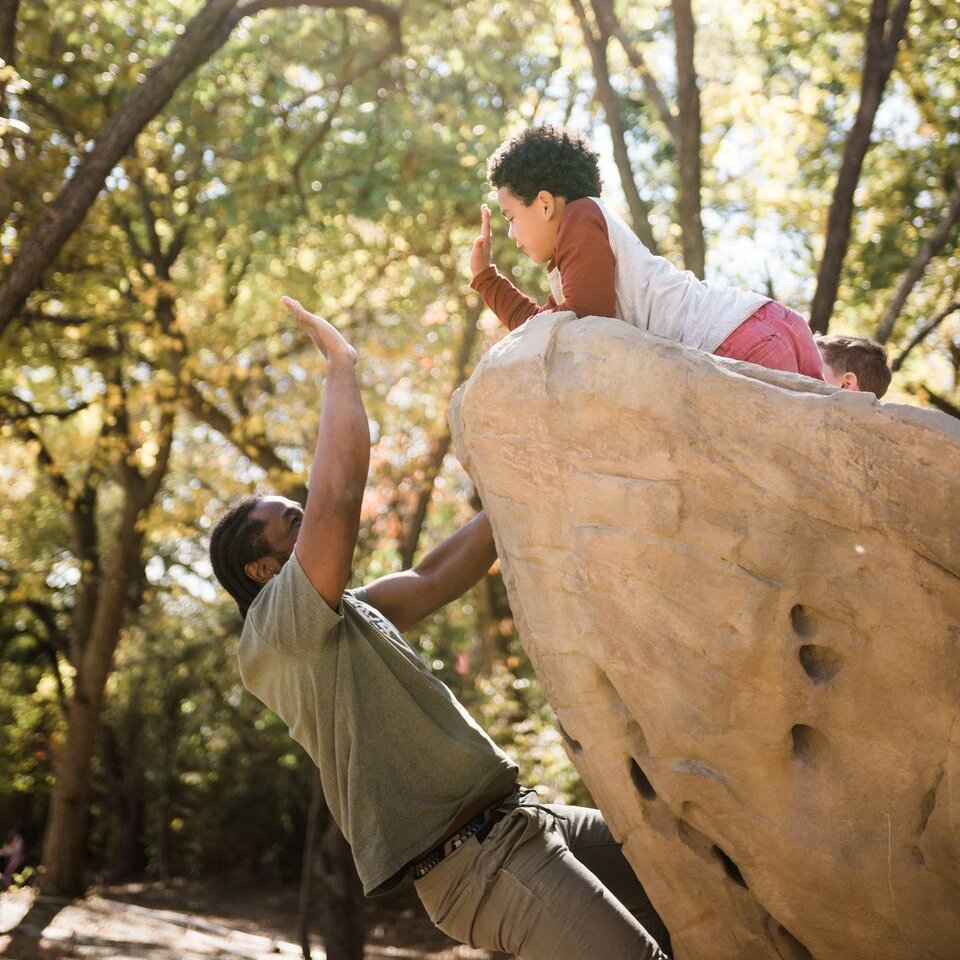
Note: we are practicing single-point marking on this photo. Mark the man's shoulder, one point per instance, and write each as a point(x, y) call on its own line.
point(289, 611)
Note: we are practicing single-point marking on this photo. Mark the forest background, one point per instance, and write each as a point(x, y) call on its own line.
point(170, 169)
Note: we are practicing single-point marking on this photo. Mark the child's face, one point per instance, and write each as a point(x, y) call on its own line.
point(533, 227)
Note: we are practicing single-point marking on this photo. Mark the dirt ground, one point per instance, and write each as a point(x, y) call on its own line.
point(195, 921)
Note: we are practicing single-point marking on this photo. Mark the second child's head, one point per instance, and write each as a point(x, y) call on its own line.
point(854, 363)
point(536, 174)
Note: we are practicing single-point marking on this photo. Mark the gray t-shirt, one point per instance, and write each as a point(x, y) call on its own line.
point(399, 757)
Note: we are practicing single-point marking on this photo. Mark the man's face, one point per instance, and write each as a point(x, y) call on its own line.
point(281, 520)
point(533, 228)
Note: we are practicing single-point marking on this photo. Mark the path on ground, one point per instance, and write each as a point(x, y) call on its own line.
point(148, 922)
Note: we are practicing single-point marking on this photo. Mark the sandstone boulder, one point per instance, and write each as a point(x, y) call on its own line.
point(741, 592)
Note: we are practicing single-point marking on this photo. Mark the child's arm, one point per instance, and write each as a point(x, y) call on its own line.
point(500, 295)
point(505, 300)
point(583, 256)
point(585, 259)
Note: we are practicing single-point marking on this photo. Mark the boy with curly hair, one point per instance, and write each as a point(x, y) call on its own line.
point(854, 363)
point(548, 186)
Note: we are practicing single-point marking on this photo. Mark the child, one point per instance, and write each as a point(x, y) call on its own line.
point(548, 184)
point(854, 363)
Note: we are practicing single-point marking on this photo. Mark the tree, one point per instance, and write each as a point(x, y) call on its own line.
point(681, 125)
point(884, 33)
point(203, 36)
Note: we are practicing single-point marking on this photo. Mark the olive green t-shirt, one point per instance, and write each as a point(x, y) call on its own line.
point(399, 757)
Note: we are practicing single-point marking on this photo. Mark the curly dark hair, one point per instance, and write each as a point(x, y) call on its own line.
point(545, 158)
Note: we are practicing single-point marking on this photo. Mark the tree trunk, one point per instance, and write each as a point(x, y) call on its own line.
point(883, 39)
point(413, 524)
point(65, 838)
point(305, 908)
point(607, 96)
point(688, 140)
point(329, 884)
point(342, 924)
point(610, 25)
point(8, 43)
point(123, 776)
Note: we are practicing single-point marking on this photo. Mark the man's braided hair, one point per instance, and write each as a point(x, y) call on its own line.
point(236, 541)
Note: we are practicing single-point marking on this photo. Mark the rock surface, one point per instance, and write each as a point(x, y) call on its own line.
point(741, 592)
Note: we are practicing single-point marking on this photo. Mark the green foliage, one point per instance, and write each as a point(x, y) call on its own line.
point(299, 161)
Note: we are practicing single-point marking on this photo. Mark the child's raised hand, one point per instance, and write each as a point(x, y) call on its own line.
point(480, 254)
point(326, 337)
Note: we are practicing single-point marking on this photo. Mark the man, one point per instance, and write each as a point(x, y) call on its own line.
point(416, 786)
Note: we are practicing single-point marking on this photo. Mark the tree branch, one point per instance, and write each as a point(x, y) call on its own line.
point(934, 399)
point(924, 332)
point(610, 25)
point(255, 448)
point(933, 245)
point(413, 524)
point(127, 224)
point(203, 36)
point(150, 224)
point(883, 37)
point(610, 102)
point(29, 412)
point(321, 134)
point(19, 420)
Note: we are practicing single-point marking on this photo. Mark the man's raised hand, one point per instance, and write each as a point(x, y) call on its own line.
point(326, 337)
point(480, 254)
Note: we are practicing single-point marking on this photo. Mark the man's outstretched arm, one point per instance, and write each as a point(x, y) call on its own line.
point(338, 475)
point(444, 574)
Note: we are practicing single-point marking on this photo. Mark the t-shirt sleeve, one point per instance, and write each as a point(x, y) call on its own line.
point(292, 614)
point(510, 305)
point(586, 262)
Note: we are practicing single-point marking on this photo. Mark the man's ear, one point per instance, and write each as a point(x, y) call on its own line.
point(849, 381)
point(260, 571)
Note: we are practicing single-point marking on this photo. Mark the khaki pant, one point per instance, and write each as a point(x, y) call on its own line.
point(544, 888)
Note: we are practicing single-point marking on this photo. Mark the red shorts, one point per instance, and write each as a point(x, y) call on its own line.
point(775, 337)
